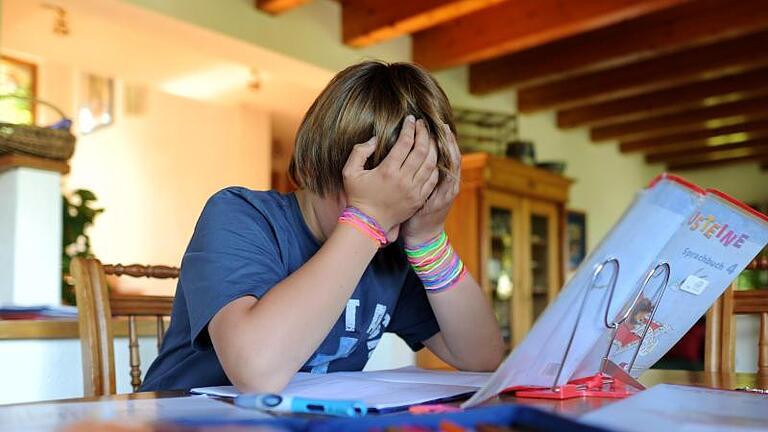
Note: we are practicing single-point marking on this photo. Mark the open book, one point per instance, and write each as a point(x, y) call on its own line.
point(705, 236)
point(381, 391)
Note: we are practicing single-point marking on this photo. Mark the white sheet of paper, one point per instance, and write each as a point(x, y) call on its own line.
point(412, 374)
point(377, 389)
point(668, 407)
point(41, 417)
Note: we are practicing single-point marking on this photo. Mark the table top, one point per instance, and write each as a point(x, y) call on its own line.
point(571, 407)
point(577, 406)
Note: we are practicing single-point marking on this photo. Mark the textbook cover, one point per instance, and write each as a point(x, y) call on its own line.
point(705, 236)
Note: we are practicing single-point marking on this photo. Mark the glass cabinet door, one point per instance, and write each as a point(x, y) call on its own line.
point(503, 219)
point(544, 252)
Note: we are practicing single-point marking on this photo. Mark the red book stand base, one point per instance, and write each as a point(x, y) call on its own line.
point(599, 385)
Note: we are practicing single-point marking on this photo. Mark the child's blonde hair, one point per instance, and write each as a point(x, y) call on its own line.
point(363, 100)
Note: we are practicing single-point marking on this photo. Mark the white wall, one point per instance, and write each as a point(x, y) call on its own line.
point(52, 369)
point(745, 182)
point(30, 237)
point(153, 171)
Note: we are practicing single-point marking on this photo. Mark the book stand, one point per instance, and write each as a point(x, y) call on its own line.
point(612, 381)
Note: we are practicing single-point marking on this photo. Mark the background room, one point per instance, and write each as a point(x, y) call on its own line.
point(174, 100)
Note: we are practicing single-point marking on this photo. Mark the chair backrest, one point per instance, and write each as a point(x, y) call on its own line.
point(720, 339)
point(97, 307)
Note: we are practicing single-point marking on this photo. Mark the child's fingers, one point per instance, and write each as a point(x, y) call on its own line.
point(402, 147)
point(419, 153)
point(359, 155)
point(428, 167)
point(453, 152)
point(430, 184)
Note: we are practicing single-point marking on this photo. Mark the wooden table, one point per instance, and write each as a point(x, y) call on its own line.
point(572, 407)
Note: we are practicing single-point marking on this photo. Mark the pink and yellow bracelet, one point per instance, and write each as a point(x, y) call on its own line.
point(436, 263)
point(366, 224)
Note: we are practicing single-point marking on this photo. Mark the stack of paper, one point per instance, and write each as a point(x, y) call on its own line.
point(379, 390)
point(16, 312)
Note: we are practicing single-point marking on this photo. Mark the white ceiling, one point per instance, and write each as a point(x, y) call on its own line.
point(117, 39)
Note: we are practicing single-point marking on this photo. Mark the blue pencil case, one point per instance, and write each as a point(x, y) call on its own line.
point(507, 415)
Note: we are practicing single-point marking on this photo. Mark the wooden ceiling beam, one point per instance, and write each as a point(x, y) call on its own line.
point(678, 155)
point(700, 93)
point(709, 61)
point(519, 24)
point(723, 158)
point(365, 22)
point(670, 29)
point(275, 7)
point(727, 113)
point(697, 138)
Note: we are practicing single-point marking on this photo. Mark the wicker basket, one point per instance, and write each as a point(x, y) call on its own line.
point(38, 141)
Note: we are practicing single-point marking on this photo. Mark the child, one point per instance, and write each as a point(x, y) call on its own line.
point(273, 284)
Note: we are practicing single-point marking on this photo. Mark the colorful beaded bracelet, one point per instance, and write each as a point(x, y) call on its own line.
point(366, 224)
point(436, 263)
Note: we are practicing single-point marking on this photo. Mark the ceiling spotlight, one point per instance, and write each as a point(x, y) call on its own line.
point(60, 22)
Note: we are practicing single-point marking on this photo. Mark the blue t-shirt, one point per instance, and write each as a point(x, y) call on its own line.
point(246, 242)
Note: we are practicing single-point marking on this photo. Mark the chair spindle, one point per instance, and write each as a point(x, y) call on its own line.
point(133, 348)
point(160, 332)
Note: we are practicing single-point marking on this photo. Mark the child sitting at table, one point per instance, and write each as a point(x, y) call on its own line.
point(272, 283)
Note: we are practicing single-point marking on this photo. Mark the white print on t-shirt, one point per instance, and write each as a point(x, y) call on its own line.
point(378, 316)
point(320, 362)
point(372, 345)
point(350, 316)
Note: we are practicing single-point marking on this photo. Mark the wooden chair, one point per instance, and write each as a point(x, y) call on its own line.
point(720, 341)
point(97, 308)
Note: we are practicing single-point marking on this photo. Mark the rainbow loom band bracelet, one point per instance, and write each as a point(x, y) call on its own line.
point(365, 224)
point(436, 263)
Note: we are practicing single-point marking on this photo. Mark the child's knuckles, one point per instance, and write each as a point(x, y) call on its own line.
point(357, 150)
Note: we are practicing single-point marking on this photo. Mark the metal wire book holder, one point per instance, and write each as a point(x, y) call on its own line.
point(612, 381)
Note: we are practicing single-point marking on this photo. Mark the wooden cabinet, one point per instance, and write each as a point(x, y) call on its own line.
point(508, 225)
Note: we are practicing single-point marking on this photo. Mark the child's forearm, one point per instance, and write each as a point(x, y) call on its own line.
point(262, 343)
point(469, 337)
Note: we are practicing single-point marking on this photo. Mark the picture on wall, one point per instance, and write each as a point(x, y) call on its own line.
point(96, 110)
point(18, 87)
point(576, 232)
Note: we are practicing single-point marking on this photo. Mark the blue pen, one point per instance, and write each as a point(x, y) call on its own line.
point(292, 405)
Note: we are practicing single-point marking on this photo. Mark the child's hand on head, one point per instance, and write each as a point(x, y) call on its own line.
point(393, 191)
point(429, 221)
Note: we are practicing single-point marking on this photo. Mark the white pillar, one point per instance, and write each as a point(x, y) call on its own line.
point(30, 236)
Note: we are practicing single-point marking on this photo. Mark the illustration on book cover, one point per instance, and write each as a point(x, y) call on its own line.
point(630, 332)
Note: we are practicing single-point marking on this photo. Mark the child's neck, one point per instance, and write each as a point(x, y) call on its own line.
point(319, 213)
